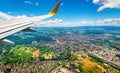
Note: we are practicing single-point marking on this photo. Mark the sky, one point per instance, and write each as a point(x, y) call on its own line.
point(71, 12)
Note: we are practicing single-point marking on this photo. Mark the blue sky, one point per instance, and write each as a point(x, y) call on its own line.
point(69, 11)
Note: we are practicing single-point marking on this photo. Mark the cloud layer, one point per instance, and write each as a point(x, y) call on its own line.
point(107, 4)
point(59, 22)
point(55, 22)
point(4, 16)
point(104, 22)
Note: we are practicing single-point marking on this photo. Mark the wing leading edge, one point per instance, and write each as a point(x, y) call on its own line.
point(16, 26)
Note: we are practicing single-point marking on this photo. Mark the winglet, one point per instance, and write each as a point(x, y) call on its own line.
point(54, 11)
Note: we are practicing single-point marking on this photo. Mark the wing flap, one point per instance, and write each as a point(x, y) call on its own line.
point(29, 30)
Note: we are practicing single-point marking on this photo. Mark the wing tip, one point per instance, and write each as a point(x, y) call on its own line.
point(54, 10)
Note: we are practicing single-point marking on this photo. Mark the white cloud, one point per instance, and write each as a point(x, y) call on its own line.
point(107, 4)
point(62, 4)
point(31, 3)
point(96, 1)
point(55, 22)
point(37, 3)
point(28, 2)
point(104, 22)
point(11, 12)
point(4, 16)
point(60, 23)
point(21, 16)
point(115, 21)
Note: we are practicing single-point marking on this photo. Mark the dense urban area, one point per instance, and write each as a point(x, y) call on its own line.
point(94, 49)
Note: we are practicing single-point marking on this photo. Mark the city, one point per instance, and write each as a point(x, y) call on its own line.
point(65, 51)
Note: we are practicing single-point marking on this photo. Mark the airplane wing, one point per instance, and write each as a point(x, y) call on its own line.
point(10, 27)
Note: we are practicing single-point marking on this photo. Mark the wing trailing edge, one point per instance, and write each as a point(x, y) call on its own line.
point(29, 30)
